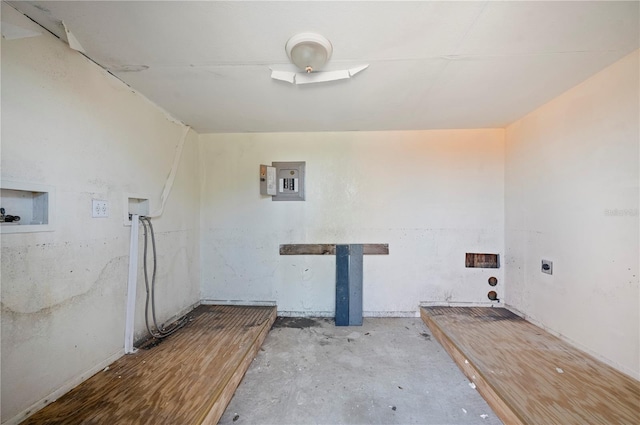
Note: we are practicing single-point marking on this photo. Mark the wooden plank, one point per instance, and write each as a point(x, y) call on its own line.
point(220, 403)
point(188, 378)
point(375, 248)
point(502, 410)
point(308, 249)
point(330, 249)
point(529, 376)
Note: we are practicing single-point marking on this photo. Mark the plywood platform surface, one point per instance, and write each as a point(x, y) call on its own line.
point(188, 378)
point(529, 376)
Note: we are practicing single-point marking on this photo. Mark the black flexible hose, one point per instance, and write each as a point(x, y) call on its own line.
point(159, 332)
point(146, 282)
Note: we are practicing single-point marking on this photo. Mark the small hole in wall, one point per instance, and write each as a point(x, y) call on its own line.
point(493, 281)
point(484, 261)
point(138, 206)
point(492, 295)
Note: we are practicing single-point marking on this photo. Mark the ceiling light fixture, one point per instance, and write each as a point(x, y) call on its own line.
point(309, 51)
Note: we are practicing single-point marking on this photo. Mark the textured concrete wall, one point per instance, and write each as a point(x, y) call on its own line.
point(572, 198)
point(69, 125)
point(432, 195)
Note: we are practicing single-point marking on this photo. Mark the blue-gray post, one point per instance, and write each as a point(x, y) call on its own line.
point(355, 285)
point(342, 285)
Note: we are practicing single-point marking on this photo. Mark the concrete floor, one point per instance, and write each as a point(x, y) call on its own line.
point(389, 371)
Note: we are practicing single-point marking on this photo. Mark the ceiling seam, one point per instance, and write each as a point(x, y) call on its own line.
point(448, 59)
point(169, 115)
point(391, 60)
point(471, 26)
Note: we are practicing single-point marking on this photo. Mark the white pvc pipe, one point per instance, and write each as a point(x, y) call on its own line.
point(168, 185)
point(131, 287)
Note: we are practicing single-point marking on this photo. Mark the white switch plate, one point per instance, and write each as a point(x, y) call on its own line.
point(99, 208)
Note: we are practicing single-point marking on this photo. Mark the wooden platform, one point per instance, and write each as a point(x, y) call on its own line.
point(189, 378)
point(529, 376)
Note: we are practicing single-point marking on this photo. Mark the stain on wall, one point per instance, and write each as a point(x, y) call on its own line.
point(432, 195)
point(68, 124)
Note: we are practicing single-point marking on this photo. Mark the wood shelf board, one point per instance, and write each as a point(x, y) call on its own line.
point(330, 249)
point(529, 376)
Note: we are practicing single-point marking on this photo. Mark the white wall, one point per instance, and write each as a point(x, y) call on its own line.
point(572, 197)
point(431, 195)
point(68, 124)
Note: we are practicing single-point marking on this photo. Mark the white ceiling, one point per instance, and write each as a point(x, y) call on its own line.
point(432, 64)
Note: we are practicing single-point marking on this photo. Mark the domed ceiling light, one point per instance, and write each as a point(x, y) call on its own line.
point(310, 52)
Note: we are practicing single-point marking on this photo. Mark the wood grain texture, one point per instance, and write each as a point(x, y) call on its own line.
point(502, 410)
point(308, 249)
point(485, 261)
point(220, 404)
point(529, 376)
point(188, 378)
point(330, 249)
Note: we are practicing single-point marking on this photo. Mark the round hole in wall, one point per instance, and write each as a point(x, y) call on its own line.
point(493, 281)
point(492, 295)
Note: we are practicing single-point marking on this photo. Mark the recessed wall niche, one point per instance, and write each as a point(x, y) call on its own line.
point(484, 261)
point(32, 202)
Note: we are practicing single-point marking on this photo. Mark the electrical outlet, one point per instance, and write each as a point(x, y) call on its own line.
point(547, 267)
point(99, 209)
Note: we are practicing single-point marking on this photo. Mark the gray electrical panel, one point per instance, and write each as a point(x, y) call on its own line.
point(289, 181)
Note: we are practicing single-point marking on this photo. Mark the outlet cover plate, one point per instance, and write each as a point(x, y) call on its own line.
point(99, 208)
point(547, 267)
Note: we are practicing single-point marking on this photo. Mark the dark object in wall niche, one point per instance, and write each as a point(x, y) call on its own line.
point(484, 261)
point(8, 218)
